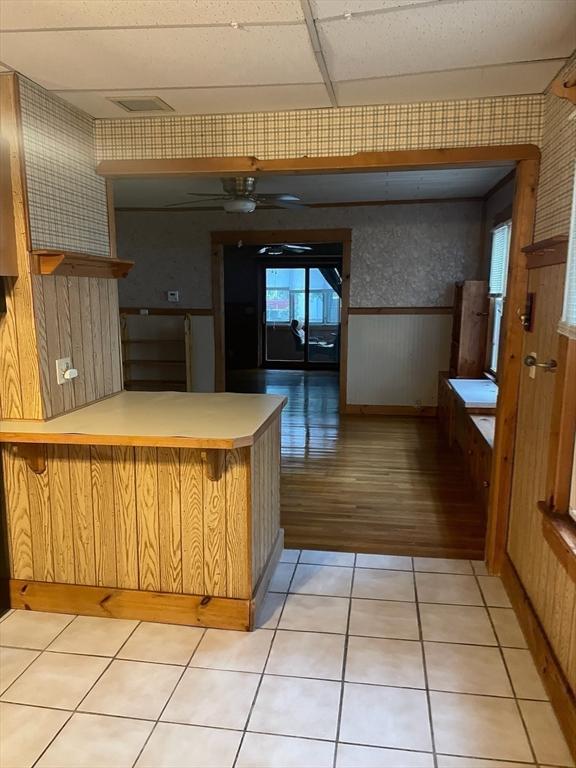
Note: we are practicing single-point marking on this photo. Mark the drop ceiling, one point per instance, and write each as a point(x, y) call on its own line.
point(320, 188)
point(215, 56)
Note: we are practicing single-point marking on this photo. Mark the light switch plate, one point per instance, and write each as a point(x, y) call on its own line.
point(173, 296)
point(62, 365)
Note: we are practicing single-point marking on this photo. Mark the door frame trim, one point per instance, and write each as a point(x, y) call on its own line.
point(527, 160)
point(257, 237)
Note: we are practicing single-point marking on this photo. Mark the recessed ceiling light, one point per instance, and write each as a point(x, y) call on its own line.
point(141, 103)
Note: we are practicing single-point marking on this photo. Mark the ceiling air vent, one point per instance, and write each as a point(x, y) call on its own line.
point(141, 104)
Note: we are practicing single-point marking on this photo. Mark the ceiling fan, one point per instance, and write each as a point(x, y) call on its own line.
point(284, 249)
point(240, 196)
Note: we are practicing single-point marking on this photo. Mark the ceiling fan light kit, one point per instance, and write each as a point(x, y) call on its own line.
point(239, 205)
point(239, 196)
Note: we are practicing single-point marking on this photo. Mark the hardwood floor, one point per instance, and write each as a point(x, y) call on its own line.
point(366, 483)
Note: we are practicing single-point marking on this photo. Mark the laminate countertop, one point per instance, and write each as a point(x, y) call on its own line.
point(168, 419)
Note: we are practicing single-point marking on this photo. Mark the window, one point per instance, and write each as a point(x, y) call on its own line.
point(497, 289)
point(278, 305)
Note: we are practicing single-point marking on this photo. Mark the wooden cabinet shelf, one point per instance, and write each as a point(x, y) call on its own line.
point(57, 262)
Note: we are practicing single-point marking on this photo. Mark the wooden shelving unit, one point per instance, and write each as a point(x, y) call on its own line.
point(469, 329)
point(57, 262)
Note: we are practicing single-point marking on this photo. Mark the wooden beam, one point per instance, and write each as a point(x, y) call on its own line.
point(523, 215)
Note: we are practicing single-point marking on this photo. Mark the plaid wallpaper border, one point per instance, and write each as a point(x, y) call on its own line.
point(325, 132)
point(67, 200)
point(554, 200)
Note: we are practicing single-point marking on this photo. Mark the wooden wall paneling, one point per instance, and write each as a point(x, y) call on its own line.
point(88, 372)
point(76, 341)
point(265, 497)
point(60, 313)
point(50, 299)
point(214, 493)
point(104, 514)
point(192, 516)
point(10, 392)
point(126, 515)
point(19, 523)
point(42, 339)
point(169, 521)
point(82, 514)
point(98, 340)
point(58, 469)
point(115, 347)
point(105, 330)
point(238, 532)
point(510, 364)
point(149, 555)
point(41, 523)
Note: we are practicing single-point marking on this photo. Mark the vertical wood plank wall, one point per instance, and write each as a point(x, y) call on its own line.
point(551, 591)
point(145, 518)
point(51, 317)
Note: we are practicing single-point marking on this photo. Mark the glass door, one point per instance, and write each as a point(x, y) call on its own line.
point(302, 316)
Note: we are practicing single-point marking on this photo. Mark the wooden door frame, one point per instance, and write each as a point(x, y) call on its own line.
point(527, 160)
point(272, 237)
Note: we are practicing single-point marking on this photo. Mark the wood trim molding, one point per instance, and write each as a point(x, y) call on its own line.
point(561, 696)
point(400, 310)
point(259, 593)
point(144, 311)
point(164, 607)
point(546, 253)
point(361, 162)
point(427, 411)
point(55, 262)
point(562, 428)
point(560, 533)
point(499, 184)
point(523, 216)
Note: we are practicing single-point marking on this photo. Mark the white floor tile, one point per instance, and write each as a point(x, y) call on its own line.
point(289, 555)
point(319, 557)
point(314, 613)
point(270, 610)
point(387, 562)
point(213, 698)
point(189, 746)
point(545, 734)
point(32, 629)
point(291, 706)
point(132, 689)
point(385, 717)
point(442, 565)
point(478, 726)
point(263, 751)
point(524, 675)
point(383, 584)
point(507, 628)
point(449, 761)
point(494, 592)
point(479, 567)
point(466, 669)
point(13, 661)
point(456, 624)
point(58, 680)
point(384, 618)
point(447, 588)
point(25, 732)
point(385, 662)
point(161, 643)
point(234, 651)
point(322, 580)
point(354, 756)
point(280, 581)
point(95, 741)
point(93, 636)
point(307, 654)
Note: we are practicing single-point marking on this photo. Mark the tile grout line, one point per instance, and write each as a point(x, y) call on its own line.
point(344, 663)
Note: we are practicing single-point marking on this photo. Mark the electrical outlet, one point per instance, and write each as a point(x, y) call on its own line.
point(63, 365)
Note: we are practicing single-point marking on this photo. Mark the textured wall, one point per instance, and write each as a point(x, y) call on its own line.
point(67, 200)
point(402, 255)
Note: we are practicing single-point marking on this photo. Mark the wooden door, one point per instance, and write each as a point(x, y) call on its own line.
point(551, 591)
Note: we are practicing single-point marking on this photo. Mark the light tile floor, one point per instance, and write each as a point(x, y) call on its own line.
point(360, 661)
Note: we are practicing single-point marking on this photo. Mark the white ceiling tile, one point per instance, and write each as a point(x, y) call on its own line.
point(465, 33)
point(50, 14)
point(194, 101)
point(324, 9)
point(318, 188)
point(505, 80)
point(148, 58)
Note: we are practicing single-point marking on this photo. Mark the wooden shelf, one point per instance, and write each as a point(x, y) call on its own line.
point(56, 262)
point(546, 253)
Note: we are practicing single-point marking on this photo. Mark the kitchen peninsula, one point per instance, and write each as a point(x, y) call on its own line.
point(159, 506)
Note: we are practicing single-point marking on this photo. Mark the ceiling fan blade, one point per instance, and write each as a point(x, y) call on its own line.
point(195, 202)
point(297, 248)
point(206, 194)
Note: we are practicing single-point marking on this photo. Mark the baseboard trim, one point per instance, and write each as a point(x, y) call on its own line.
point(168, 608)
point(562, 697)
point(262, 586)
point(425, 411)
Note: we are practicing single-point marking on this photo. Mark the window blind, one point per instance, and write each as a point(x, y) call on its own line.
point(499, 259)
point(568, 321)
